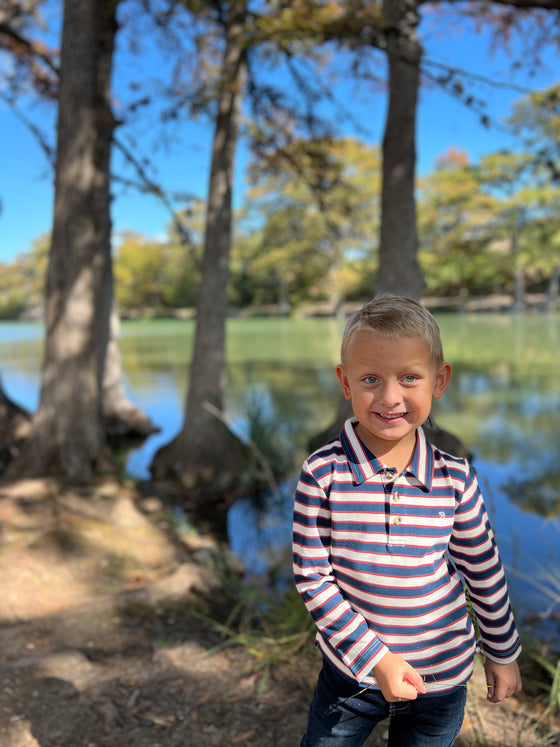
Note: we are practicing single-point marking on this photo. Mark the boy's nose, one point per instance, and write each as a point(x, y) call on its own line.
point(390, 394)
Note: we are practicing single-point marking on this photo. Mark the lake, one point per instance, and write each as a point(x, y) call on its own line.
point(503, 402)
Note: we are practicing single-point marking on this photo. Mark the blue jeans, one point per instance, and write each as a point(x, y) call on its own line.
point(338, 717)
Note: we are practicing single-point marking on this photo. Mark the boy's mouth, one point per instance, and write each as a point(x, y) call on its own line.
point(389, 417)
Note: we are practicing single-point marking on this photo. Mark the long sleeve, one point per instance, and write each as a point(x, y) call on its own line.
point(343, 629)
point(474, 552)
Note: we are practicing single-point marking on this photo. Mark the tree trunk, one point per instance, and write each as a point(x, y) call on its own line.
point(553, 288)
point(518, 270)
point(15, 422)
point(68, 436)
point(122, 419)
point(205, 452)
point(399, 270)
point(519, 288)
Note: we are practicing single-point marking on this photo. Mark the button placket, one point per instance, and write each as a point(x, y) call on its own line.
point(395, 524)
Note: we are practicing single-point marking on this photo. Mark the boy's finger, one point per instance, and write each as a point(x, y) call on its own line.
point(490, 683)
point(414, 679)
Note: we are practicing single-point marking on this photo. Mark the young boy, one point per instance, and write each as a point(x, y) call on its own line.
point(383, 524)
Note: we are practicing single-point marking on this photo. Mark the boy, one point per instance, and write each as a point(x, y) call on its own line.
point(383, 523)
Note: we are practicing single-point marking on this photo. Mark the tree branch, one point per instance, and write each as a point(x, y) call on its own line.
point(149, 186)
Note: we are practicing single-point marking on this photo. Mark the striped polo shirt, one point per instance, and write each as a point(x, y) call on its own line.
point(377, 558)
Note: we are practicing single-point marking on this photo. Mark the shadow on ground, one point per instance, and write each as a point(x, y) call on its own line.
point(105, 636)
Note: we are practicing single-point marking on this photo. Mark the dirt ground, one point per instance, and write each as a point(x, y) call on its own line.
point(102, 642)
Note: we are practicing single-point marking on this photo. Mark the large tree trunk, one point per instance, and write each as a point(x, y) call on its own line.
point(399, 270)
point(205, 452)
point(68, 436)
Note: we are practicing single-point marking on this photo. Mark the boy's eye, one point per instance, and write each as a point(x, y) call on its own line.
point(370, 379)
point(410, 379)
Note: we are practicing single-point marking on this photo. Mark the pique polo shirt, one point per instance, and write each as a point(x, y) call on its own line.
point(380, 559)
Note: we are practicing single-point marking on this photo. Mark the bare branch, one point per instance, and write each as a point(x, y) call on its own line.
point(148, 185)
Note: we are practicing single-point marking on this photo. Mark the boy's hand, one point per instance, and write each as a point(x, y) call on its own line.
point(503, 680)
point(397, 679)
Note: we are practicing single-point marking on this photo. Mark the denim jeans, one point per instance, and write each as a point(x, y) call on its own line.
point(338, 717)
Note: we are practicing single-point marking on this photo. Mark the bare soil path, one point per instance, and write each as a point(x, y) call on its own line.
point(101, 643)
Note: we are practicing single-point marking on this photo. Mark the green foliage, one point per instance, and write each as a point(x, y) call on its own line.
point(23, 281)
point(482, 226)
point(313, 224)
point(138, 273)
point(456, 230)
point(536, 118)
point(155, 276)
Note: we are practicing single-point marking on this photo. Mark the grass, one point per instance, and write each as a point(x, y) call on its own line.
point(273, 631)
point(547, 580)
point(552, 688)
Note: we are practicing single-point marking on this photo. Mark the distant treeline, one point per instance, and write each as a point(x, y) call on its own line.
point(484, 229)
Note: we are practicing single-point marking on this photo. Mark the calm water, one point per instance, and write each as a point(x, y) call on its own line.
point(503, 401)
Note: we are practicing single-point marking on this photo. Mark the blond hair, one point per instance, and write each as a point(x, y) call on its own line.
point(396, 316)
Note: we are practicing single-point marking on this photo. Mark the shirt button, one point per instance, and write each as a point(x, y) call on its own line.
point(396, 497)
point(397, 520)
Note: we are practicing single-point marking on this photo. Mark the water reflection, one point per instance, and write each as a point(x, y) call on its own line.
point(538, 491)
point(260, 533)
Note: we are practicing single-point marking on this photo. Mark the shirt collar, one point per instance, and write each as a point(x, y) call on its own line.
point(365, 465)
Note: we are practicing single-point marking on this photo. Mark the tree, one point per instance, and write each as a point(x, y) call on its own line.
point(22, 282)
point(37, 64)
point(537, 119)
point(153, 276)
point(398, 247)
point(393, 28)
point(527, 216)
point(139, 267)
point(457, 228)
point(189, 456)
point(396, 32)
point(504, 172)
point(308, 237)
point(67, 436)
point(33, 62)
point(205, 451)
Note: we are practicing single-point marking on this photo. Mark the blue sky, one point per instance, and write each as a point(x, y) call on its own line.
point(26, 180)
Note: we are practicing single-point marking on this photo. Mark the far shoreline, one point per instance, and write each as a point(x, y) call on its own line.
point(502, 303)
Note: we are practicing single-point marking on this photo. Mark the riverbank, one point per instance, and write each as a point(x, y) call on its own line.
point(492, 303)
point(107, 635)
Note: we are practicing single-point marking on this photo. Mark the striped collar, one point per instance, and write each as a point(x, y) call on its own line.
point(365, 465)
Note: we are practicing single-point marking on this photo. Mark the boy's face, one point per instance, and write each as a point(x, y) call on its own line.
point(391, 383)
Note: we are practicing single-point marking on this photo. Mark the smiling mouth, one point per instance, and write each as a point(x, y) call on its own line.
point(386, 416)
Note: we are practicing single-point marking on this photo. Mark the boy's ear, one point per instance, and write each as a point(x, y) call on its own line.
point(341, 373)
point(442, 380)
